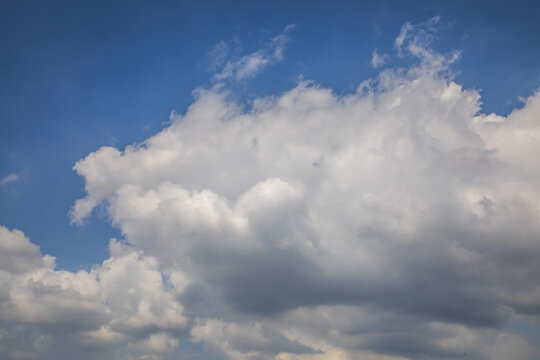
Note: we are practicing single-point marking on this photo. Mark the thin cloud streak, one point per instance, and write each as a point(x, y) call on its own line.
point(250, 65)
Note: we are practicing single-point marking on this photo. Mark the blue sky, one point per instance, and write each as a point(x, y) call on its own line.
point(77, 76)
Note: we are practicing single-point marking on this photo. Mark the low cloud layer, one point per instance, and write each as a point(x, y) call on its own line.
point(395, 222)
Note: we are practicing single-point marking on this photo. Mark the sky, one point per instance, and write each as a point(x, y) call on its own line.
point(271, 180)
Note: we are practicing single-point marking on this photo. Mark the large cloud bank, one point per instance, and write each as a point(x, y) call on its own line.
point(396, 222)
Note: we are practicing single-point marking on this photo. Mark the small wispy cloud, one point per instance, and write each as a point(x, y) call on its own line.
point(423, 32)
point(378, 60)
point(416, 39)
point(250, 65)
point(111, 139)
point(218, 55)
point(9, 178)
point(14, 177)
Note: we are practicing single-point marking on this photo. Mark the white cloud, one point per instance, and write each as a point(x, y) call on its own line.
point(157, 343)
point(9, 178)
point(416, 40)
point(249, 65)
point(352, 209)
point(310, 198)
point(17, 253)
point(378, 60)
point(245, 341)
point(13, 177)
point(125, 302)
point(218, 55)
point(394, 222)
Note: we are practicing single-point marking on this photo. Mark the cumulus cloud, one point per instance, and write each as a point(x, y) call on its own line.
point(249, 65)
point(17, 253)
point(401, 218)
point(395, 222)
point(125, 303)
